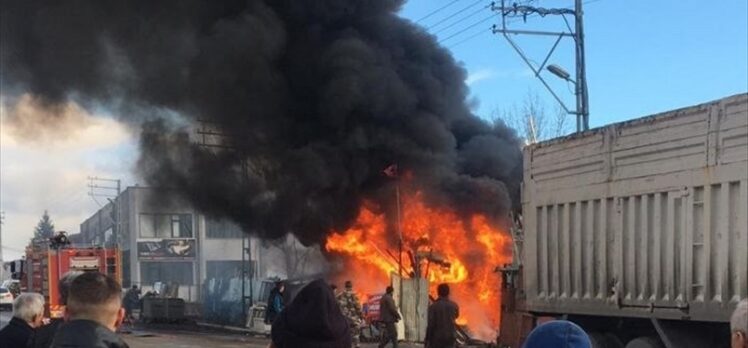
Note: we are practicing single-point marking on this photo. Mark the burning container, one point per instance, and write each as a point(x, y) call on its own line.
point(638, 230)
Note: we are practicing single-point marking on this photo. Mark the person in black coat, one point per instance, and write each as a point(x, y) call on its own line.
point(45, 334)
point(388, 315)
point(94, 311)
point(312, 320)
point(441, 331)
point(28, 312)
point(275, 302)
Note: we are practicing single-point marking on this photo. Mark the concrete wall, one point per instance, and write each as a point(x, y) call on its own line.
point(414, 309)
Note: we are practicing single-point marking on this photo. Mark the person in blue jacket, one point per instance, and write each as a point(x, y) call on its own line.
point(275, 302)
point(558, 334)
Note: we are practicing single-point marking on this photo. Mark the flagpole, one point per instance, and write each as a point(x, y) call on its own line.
point(399, 227)
point(392, 172)
point(400, 241)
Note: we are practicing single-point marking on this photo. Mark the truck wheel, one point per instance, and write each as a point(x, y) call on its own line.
point(645, 342)
point(613, 340)
point(604, 340)
point(598, 340)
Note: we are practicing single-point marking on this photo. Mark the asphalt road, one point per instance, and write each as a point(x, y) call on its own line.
point(160, 338)
point(186, 339)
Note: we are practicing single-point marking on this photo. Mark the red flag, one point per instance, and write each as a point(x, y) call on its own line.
point(391, 171)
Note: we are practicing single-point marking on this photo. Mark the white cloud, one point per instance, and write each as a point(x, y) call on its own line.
point(28, 123)
point(484, 74)
point(46, 156)
point(480, 75)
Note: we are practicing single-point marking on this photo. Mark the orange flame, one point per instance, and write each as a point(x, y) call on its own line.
point(449, 249)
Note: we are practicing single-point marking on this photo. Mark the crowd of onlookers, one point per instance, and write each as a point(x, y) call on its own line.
point(94, 310)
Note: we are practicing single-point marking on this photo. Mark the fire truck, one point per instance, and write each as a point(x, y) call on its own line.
point(48, 261)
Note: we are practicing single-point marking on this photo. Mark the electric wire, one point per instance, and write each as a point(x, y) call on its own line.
point(437, 10)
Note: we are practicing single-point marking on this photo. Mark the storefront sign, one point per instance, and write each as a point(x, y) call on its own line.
point(167, 249)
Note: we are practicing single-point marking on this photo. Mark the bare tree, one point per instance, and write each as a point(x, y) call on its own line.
point(298, 260)
point(531, 120)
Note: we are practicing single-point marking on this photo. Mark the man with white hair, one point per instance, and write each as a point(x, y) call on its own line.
point(28, 312)
point(739, 325)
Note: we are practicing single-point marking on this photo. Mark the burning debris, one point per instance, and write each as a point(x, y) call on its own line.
point(317, 97)
point(439, 245)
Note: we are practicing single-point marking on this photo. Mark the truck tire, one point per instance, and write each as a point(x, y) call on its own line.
point(598, 340)
point(604, 340)
point(613, 340)
point(645, 342)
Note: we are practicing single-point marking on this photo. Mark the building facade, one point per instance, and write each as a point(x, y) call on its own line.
point(165, 240)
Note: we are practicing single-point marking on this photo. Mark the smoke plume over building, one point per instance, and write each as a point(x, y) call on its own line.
point(312, 99)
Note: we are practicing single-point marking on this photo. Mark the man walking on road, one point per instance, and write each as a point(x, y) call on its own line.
point(388, 315)
point(441, 331)
point(351, 307)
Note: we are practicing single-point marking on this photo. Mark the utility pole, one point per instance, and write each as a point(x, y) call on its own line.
point(577, 34)
point(581, 85)
point(2, 221)
point(109, 189)
point(212, 136)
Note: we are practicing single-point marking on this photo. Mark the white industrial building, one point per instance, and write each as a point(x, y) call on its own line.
point(169, 241)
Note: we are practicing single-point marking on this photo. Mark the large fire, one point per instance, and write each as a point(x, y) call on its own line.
point(438, 245)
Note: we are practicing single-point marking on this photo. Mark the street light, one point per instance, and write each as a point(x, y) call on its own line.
point(560, 72)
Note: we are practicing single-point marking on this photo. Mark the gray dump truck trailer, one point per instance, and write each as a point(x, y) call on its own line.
point(637, 231)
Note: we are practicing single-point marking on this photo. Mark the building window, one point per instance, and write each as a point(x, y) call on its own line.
point(223, 269)
point(165, 225)
point(215, 228)
point(178, 272)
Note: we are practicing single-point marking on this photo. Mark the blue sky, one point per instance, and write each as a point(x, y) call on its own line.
point(643, 57)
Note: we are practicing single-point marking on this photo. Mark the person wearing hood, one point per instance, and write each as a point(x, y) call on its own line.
point(275, 302)
point(312, 320)
point(557, 333)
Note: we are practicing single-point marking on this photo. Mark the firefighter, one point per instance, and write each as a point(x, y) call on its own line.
point(351, 308)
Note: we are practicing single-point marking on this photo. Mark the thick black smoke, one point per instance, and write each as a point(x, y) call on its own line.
point(316, 97)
